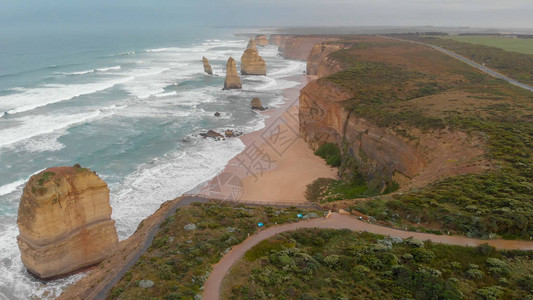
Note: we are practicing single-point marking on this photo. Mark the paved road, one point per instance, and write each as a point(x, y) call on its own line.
point(471, 63)
point(337, 221)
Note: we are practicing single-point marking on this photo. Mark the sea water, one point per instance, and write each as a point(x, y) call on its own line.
point(128, 107)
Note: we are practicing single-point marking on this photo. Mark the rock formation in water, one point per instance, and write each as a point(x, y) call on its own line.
point(251, 62)
point(256, 104)
point(64, 220)
point(261, 40)
point(207, 66)
point(233, 81)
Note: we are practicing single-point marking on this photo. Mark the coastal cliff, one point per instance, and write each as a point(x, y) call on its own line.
point(318, 54)
point(386, 118)
point(261, 40)
point(64, 219)
point(299, 47)
point(278, 40)
point(377, 150)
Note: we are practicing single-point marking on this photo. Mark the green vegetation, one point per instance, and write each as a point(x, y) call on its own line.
point(406, 98)
point(331, 153)
point(45, 177)
point(327, 189)
point(351, 186)
point(179, 260)
point(510, 44)
point(340, 264)
point(516, 65)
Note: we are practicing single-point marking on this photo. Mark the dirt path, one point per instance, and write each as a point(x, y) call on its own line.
point(337, 221)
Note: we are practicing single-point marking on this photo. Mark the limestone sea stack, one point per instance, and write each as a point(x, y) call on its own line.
point(64, 220)
point(251, 62)
point(261, 40)
point(233, 81)
point(207, 66)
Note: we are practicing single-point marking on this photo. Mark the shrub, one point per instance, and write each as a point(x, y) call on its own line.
point(331, 153)
point(474, 274)
point(490, 293)
point(332, 261)
point(359, 272)
point(422, 255)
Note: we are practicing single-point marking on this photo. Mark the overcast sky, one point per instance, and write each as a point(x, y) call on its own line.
point(475, 13)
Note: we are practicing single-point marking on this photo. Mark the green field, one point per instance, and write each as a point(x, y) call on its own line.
point(509, 44)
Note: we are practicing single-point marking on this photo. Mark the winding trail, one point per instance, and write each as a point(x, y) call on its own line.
point(469, 62)
point(338, 221)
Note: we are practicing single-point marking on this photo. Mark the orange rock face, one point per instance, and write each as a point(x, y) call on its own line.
point(299, 47)
point(233, 81)
point(207, 66)
point(324, 120)
point(65, 224)
point(251, 62)
point(318, 53)
point(261, 40)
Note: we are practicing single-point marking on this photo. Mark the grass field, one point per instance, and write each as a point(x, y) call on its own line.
point(517, 45)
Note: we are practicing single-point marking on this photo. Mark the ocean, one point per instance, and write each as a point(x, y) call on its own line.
point(127, 105)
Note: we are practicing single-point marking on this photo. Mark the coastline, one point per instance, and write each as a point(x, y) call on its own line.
point(292, 165)
point(276, 164)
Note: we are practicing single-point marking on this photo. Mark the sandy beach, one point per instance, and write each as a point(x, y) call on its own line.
point(277, 164)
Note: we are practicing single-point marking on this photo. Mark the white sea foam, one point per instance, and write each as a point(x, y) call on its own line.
point(15, 281)
point(31, 126)
point(29, 99)
point(165, 94)
point(142, 192)
point(13, 186)
point(94, 70)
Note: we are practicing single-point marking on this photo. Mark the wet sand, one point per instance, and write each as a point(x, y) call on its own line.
point(276, 165)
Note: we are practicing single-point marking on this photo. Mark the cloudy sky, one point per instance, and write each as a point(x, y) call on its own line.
point(475, 13)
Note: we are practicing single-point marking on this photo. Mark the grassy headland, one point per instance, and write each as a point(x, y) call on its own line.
point(414, 90)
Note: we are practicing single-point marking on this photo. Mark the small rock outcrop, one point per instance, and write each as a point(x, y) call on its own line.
point(207, 66)
point(233, 81)
point(251, 62)
point(229, 133)
point(212, 134)
point(261, 40)
point(64, 220)
point(256, 104)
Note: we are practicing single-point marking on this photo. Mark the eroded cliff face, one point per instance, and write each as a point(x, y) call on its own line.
point(382, 153)
point(379, 152)
point(317, 55)
point(65, 224)
point(278, 40)
point(261, 40)
point(299, 47)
